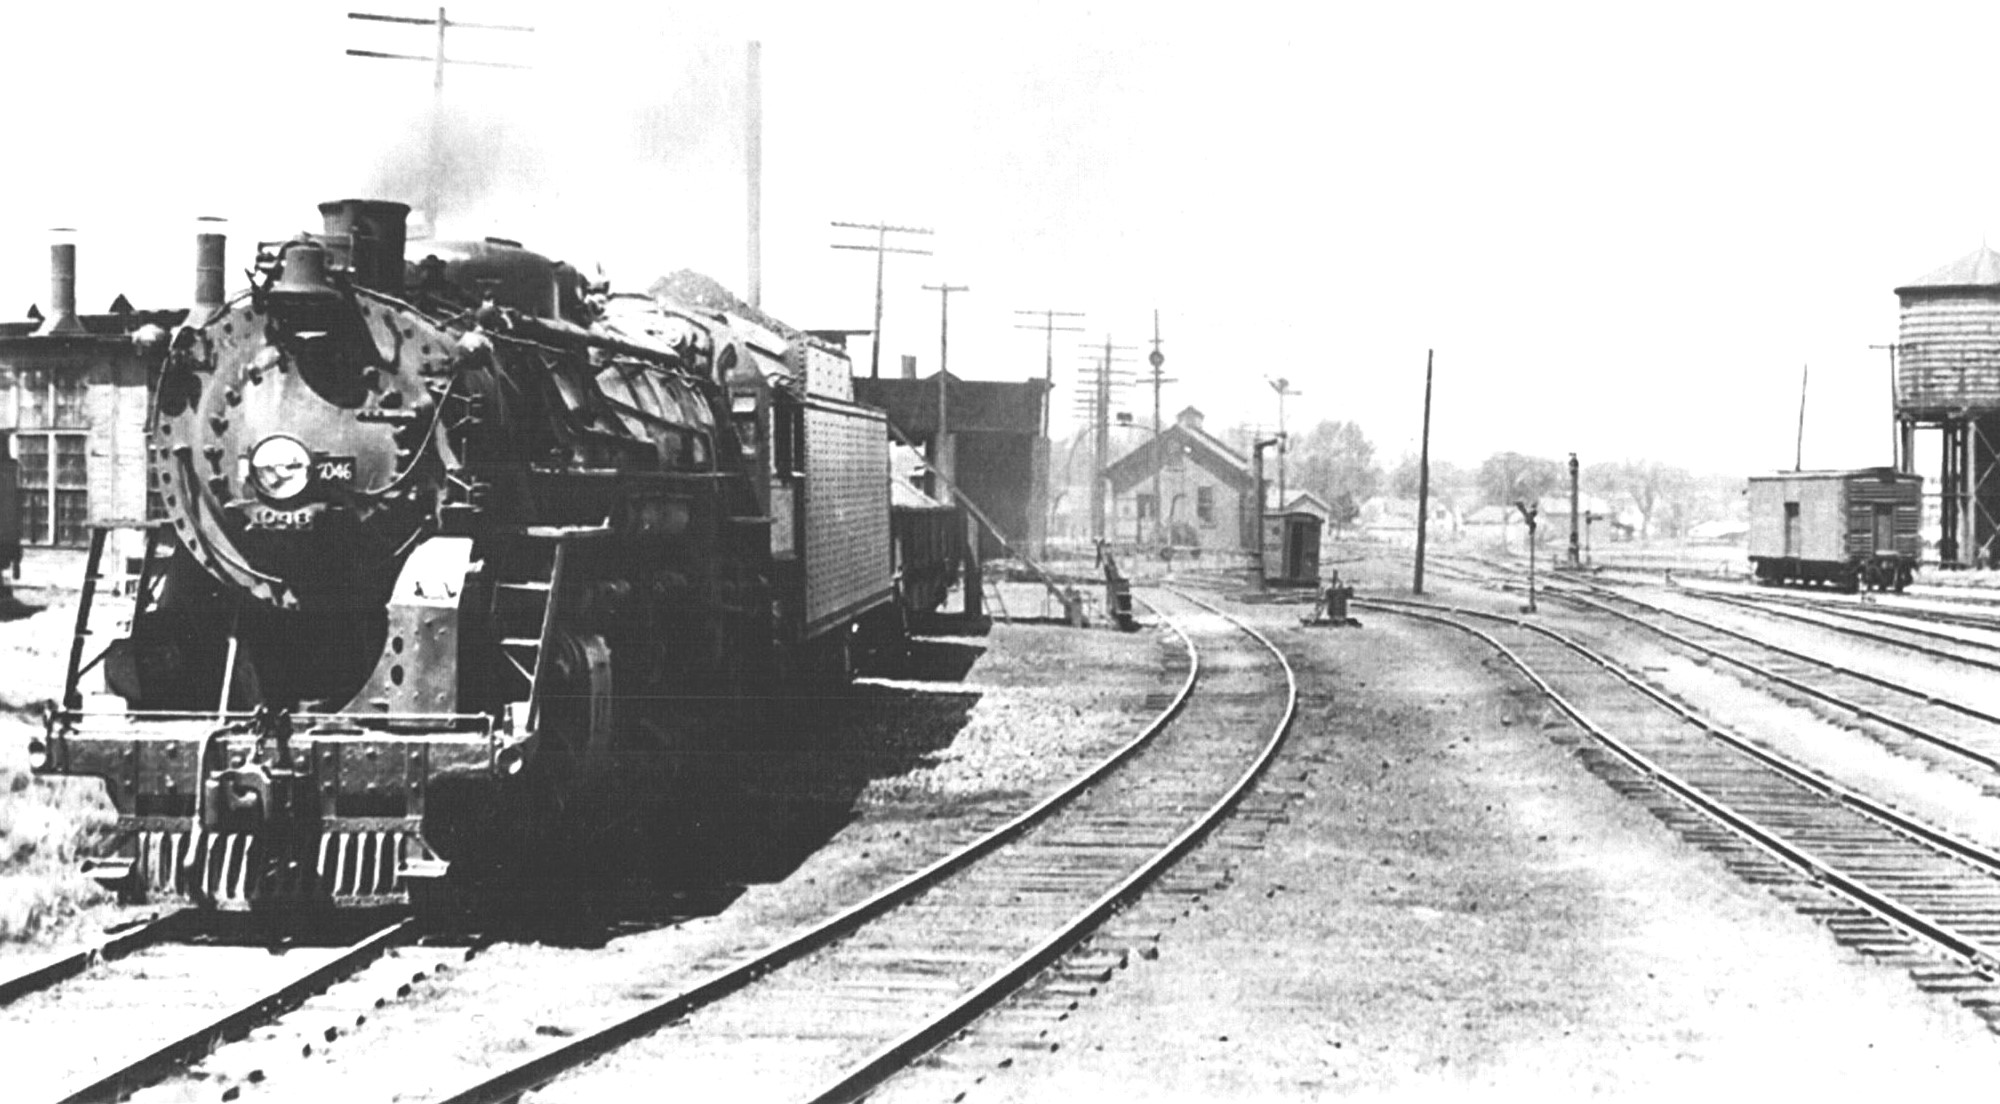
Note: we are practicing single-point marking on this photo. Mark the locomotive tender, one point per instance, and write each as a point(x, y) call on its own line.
point(1840, 528)
point(463, 557)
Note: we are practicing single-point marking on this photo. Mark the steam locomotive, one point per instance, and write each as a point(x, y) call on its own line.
point(462, 555)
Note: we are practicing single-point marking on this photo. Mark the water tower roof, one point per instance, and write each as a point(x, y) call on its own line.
point(1979, 268)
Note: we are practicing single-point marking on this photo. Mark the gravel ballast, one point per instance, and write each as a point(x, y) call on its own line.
point(1459, 908)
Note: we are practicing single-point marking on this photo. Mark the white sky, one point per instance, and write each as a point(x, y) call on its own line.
point(1623, 229)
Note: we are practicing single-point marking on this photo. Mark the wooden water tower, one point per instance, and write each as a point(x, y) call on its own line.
point(1948, 379)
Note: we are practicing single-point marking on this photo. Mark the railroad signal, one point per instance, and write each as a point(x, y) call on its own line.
point(1528, 512)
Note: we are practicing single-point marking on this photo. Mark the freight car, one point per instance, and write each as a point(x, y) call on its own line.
point(1844, 529)
point(464, 562)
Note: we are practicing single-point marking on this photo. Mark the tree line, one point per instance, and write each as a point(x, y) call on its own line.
point(1336, 461)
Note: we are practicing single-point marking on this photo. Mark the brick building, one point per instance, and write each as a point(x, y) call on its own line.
point(74, 399)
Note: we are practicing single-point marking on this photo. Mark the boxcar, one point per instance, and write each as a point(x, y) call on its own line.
point(1844, 529)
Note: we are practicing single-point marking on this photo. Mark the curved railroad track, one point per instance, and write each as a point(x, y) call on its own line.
point(1902, 891)
point(830, 1011)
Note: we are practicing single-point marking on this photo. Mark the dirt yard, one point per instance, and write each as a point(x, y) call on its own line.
point(1456, 907)
point(1460, 909)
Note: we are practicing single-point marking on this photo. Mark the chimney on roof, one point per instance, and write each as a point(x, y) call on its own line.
point(62, 289)
point(909, 366)
point(1190, 418)
point(209, 248)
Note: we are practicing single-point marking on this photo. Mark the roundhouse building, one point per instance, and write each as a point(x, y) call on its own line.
point(74, 397)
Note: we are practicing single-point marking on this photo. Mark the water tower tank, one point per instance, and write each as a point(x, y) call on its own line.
point(1948, 344)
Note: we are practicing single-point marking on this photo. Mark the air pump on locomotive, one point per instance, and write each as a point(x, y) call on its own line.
point(460, 555)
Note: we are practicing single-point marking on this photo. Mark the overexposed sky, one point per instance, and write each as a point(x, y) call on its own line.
point(1624, 228)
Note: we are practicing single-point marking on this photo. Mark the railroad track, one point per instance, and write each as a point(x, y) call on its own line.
point(104, 1021)
point(1885, 884)
point(1890, 625)
point(828, 1012)
point(1963, 733)
point(1922, 716)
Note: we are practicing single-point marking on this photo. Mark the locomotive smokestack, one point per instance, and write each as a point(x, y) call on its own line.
point(375, 230)
point(209, 247)
point(62, 289)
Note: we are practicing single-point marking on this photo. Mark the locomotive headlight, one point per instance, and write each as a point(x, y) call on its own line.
point(280, 466)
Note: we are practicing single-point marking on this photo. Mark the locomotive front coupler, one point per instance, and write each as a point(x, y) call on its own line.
point(262, 788)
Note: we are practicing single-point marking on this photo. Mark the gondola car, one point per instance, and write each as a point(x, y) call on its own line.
point(464, 562)
point(1840, 529)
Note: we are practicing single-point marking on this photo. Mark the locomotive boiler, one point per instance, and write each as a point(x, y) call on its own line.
point(458, 559)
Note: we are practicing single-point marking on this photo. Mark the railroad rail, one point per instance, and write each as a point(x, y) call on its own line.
point(831, 1010)
point(115, 1017)
point(1911, 891)
point(1960, 733)
point(42, 971)
point(1874, 621)
point(1961, 730)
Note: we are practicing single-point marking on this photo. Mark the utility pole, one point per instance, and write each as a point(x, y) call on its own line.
point(946, 457)
point(881, 248)
point(1099, 410)
point(1156, 359)
point(435, 187)
point(1283, 387)
point(1049, 328)
point(1423, 478)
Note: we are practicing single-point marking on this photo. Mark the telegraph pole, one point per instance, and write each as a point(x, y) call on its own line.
point(1157, 359)
point(438, 61)
point(1423, 477)
point(945, 457)
point(1049, 328)
point(1100, 416)
point(881, 248)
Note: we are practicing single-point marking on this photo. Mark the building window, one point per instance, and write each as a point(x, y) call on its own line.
point(54, 476)
point(1148, 506)
point(1204, 506)
point(55, 488)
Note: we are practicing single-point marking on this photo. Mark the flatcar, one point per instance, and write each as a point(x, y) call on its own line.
point(1840, 529)
point(466, 565)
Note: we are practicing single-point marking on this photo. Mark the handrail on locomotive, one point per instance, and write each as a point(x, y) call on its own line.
point(459, 554)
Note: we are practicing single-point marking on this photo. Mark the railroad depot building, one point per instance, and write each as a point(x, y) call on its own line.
point(1187, 486)
point(74, 398)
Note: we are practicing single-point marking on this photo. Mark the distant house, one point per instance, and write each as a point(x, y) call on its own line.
point(1187, 487)
point(1394, 521)
point(1720, 532)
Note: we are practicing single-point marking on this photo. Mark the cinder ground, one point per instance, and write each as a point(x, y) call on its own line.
point(1460, 910)
point(1457, 909)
